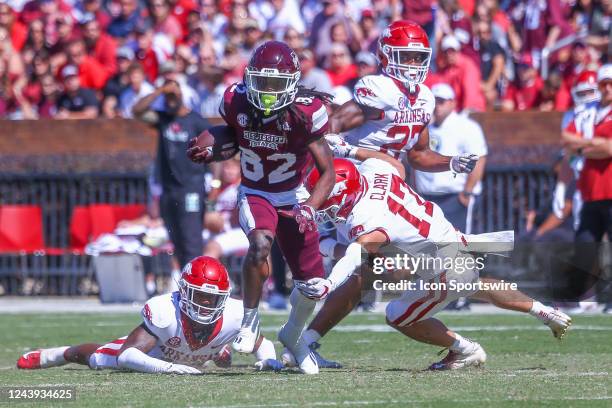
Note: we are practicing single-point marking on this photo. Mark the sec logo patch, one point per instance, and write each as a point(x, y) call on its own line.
point(174, 341)
point(242, 119)
point(401, 103)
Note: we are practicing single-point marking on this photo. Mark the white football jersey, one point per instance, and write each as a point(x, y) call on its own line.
point(405, 115)
point(390, 206)
point(176, 341)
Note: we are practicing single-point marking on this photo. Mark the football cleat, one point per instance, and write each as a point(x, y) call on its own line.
point(557, 321)
point(29, 361)
point(476, 357)
point(289, 360)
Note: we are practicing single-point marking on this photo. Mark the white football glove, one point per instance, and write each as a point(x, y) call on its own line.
point(182, 369)
point(463, 163)
point(269, 364)
point(339, 147)
point(315, 288)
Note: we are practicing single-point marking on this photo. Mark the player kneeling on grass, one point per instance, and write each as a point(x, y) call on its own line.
point(181, 331)
point(375, 209)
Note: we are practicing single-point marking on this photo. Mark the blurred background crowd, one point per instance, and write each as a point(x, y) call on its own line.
point(96, 58)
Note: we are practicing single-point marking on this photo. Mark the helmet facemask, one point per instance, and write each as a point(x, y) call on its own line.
point(585, 93)
point(202, 304)
point(407, 64)
point(270, 90)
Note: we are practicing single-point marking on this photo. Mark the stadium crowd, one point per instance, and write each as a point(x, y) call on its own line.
point(96, 58)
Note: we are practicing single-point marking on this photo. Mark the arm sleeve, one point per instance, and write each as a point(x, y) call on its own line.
point(346, 266)
point(265, 351)
point(136, 360)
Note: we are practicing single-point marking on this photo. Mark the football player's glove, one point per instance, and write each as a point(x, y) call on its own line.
point(339, 147)
point(304, 215)
point(182, 369)
point(315, 288)
point(269, 364)
point(463, 163)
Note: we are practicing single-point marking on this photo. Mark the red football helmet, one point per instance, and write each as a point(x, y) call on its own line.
point(204, 288)
point(404, 52)
point(347, 190)
point(585, 88)
point(272, 75)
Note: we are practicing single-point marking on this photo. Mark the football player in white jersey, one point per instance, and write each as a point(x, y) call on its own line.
point(180, 332)
point(390, 111)
point(377, 210)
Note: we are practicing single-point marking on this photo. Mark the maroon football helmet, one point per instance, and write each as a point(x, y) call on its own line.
point(347, 189)
point(204, 287)
point(272, 75)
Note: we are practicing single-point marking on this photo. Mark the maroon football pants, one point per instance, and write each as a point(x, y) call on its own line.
point(301, 250)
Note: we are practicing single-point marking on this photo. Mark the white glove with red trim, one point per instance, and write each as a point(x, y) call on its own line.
point(315, 288)
point(339, 147)
point(305, 217)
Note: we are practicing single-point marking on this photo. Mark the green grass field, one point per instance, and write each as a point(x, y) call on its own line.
point(526, 367)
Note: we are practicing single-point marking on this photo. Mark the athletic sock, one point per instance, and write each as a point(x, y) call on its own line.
point(540, 311)
point(250, 318)
point(310, 336)
point(301, 309)
point(461, 344)
point(53, 357)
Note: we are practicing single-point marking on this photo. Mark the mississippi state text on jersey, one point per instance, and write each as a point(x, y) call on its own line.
point(405, 114)
point(274, 157)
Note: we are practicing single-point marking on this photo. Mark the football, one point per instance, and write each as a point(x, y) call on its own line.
point(215, 144)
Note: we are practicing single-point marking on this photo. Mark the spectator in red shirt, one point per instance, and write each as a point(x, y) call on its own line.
point(457, 23)
point(525, 93)
point(145, 54)
point(100, 46)
point(163, 21)
point(17, 30)
point(91, 73)
point(340, 67)
point(461, 73)
point(181, 9)
point(35, 41)
point(593, 140)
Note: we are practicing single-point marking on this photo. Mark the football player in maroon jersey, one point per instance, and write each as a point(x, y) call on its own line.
point(279, 129)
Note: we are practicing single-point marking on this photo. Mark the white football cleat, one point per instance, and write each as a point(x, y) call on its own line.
point(557, 321)
point(298, 355)
point(476, 357)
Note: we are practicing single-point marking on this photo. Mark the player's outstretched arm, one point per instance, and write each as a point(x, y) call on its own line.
point(318, 288)
point(421, 157)
point(324, 161)
point(351, 115)
point(133, 355)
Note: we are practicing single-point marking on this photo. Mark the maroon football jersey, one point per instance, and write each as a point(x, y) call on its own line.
point(274, 159)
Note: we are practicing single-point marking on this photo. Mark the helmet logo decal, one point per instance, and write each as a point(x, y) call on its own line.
point(187, 269)
point(386, 33)
point(338, 188)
